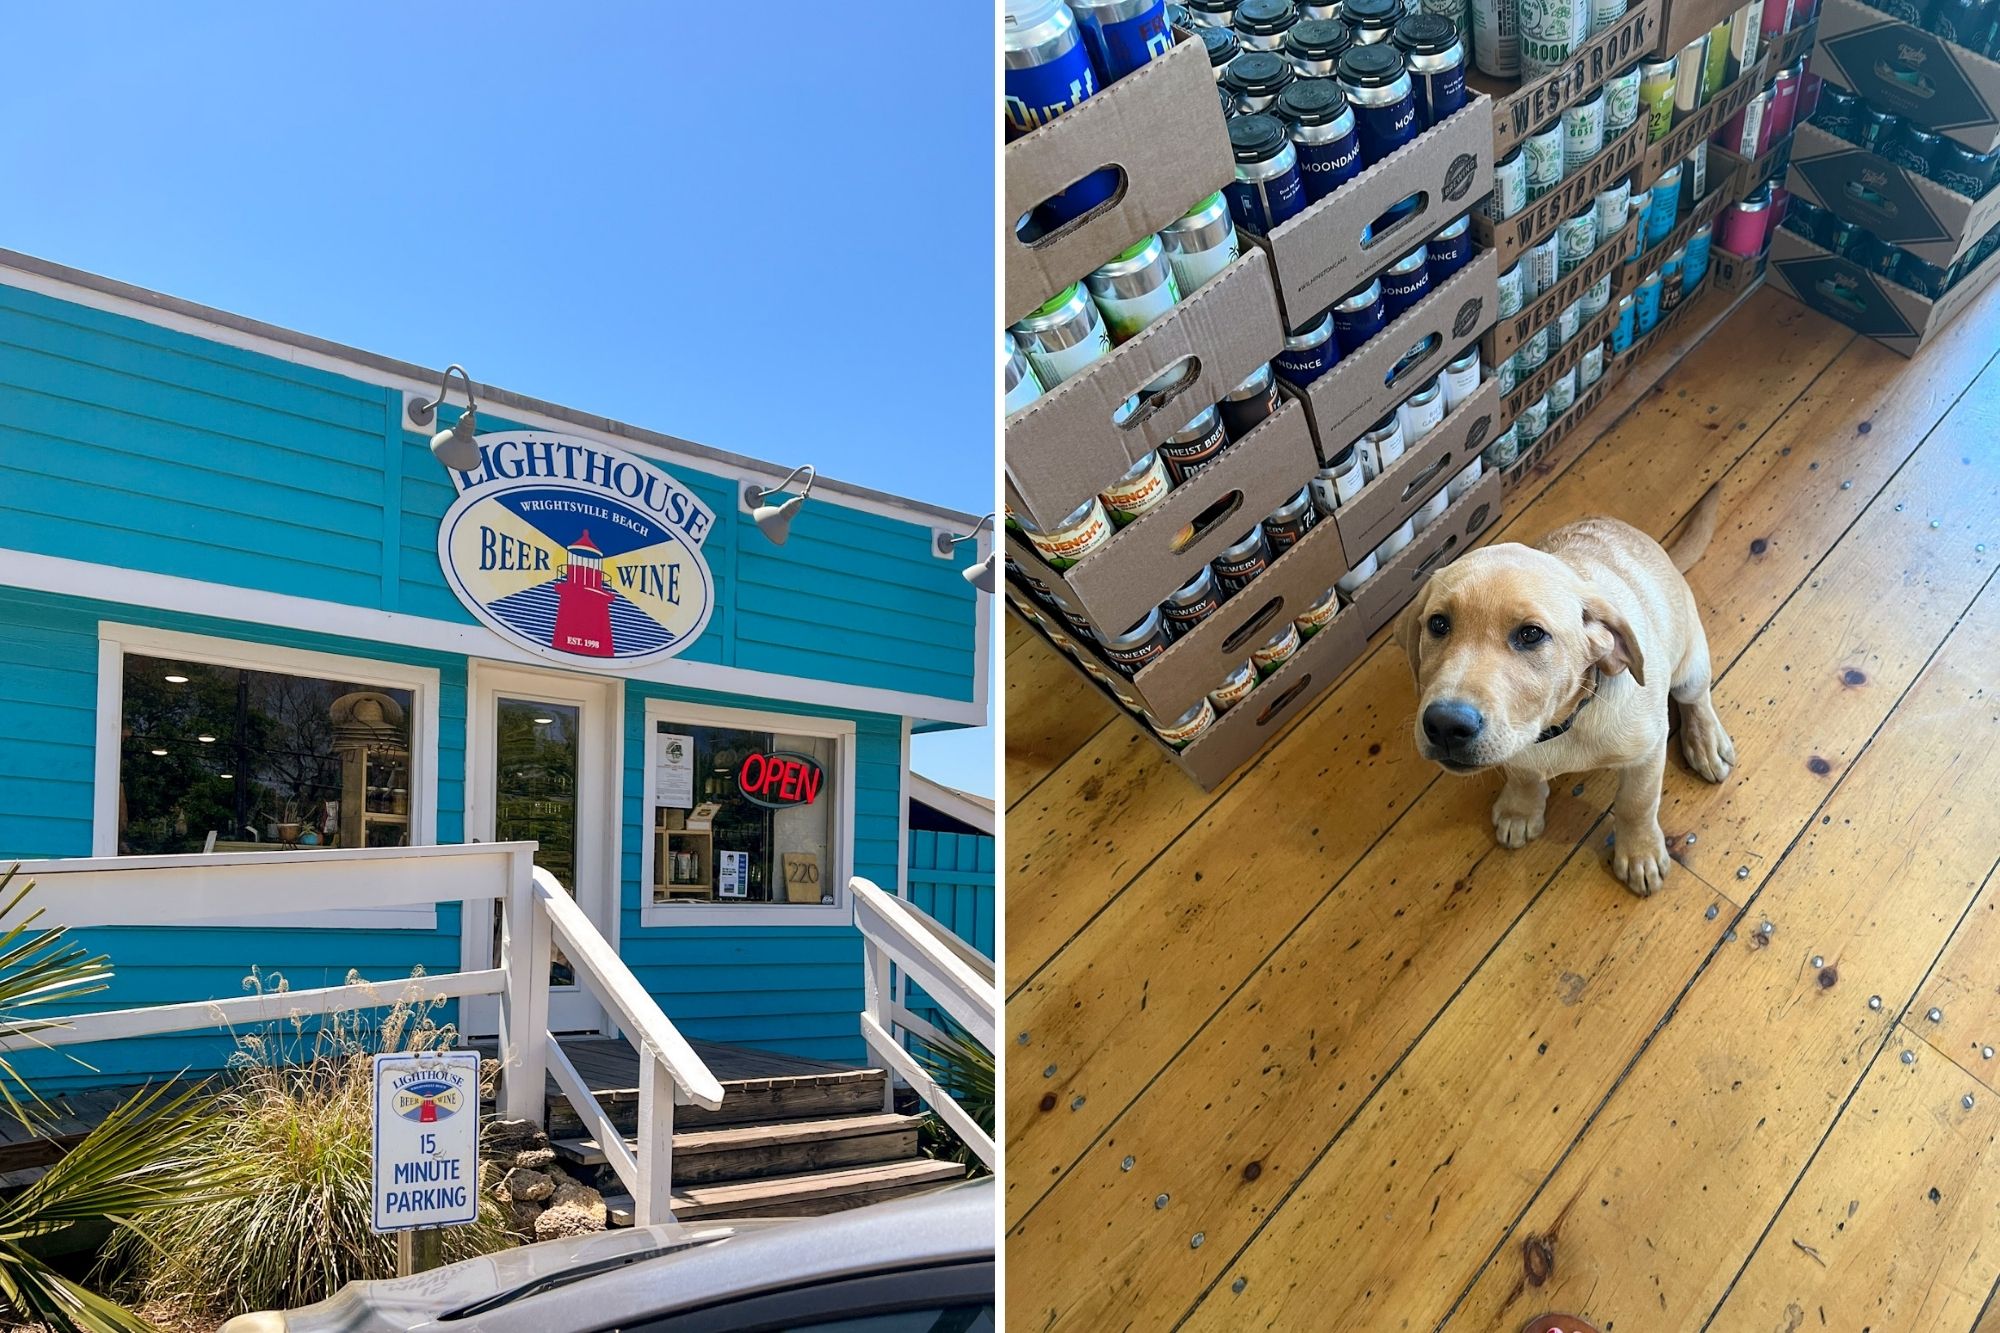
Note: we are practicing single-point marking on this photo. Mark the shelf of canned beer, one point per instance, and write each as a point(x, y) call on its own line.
point(1519, 217)
point(1568, 72)
point(1904, 69)
point(1096, 159)
point(1584, 274)
point(1672, 314)
point(1545, 444)
point(1692, 126)
point(1664, 237)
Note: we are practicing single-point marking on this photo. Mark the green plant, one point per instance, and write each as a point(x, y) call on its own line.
point(964, 1070)
point(137, 1166)
point(295, 1109)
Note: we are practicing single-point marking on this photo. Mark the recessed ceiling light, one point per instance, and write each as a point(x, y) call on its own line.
point(225, 775)
point(159, 751)
point(206, 739)
point(177, 680)
point(544, 721)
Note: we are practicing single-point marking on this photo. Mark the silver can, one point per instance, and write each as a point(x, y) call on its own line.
point(1544, 153)
point(1466, 478)
point(1139, 491)
point(1687, 78)
point(1319, 615)
point(1077, 536)
point(1569, 322)
point(1551, 31)
point(1621, 102)
point(1201, 243)
point(1544, 266)
point(1192, 602)
point(1745, 38)
point(1496, 38)
point(1596, 297)
point(1562, 394)
point(1290, 521)
point(1188, 727)
point(1614, 210)
point(1235, 687)
point(1505, 448)
point(1533, 421)
point(1461, 379)
point(1238, 565)
point(1063, 337)
point(1583, 132)
point(1277, 650)
point(1339, 481)
point(1135, 289)
point(1022, 386)
point(1591, 368)
point(1381, 446)
point(1431, 510)
point(1359, 572)
point(1422, 412)
point(1576, 241)
point(1396, 541)
point(1605, 13)
point(1510, 188)
point(1138, 647)
point(1195, 445)
point(1512, 292)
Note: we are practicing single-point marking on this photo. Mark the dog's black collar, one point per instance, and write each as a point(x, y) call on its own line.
point(1589, 692)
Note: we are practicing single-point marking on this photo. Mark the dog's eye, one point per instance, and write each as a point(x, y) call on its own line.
point(1439, 626)
point(1529, 635)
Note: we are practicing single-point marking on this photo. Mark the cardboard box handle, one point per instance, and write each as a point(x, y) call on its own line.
point(1152, 399)
point(1415, 357)
point(1417, 482)
point(1277, 704)
point(1241, 634)
point(1081, 220)
point(1204, 522)
point(1424, 565)
point(1418, 219)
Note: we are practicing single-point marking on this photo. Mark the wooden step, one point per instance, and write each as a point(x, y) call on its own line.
point(736, 1152)
point(806, 1194)
point(745, 1101)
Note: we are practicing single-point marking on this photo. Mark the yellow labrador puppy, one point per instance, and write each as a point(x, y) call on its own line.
point(1560, 658)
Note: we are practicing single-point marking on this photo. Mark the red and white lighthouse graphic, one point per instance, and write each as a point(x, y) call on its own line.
point(583, 605)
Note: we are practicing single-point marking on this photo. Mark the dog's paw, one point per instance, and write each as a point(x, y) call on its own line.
point(1513, 828)
point(1708, 750)
point(1640, 860)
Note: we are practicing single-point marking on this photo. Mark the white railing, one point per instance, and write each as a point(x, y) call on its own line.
point(535, 914)
point(957, 976)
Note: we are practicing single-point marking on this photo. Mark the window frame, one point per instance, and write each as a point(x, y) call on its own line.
point(839, 730)
point(115, 641)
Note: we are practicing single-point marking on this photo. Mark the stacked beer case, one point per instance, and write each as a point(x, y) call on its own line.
point(1934, 233)
point(1164, 129)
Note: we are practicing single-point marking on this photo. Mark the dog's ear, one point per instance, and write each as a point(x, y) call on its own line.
point(1613, 645)
point(1409, 626)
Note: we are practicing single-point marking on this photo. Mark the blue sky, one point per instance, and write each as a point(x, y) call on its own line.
point(766, 228)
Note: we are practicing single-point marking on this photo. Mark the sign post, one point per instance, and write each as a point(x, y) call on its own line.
point(426, 1159)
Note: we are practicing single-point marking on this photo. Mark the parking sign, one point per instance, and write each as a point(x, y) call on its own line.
point(426, 1139)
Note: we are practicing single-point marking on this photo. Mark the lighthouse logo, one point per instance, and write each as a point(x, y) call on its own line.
point(578, 551)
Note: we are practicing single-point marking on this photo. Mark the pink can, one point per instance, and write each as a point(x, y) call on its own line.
point(1745, 228)
point(1776, 14)
point(1781, 203)
point(1784, 106)
point(1803, 12)
point(1809, 84)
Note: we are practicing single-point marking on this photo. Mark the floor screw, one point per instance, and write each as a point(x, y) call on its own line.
point(1194, 1241)
point(1981, 548)
point(1239, 1284)
point(1050, 1072)
point(1076, 1103)
point(1128, 1164)
point(1874, 1002)
point(1022, 1039)
point(1935, 1015)
point(1909, 1057)
point(1936, 524)
point(1729, 937)
point(1743, 872)
point(1846, 485)
point(1690, 839)
point(1766, 928)
point(1818, 961)
point(1966, 1101)
point(1710, 913)
point(1986, 1052)
point(1160, 1202)
point(1899, 507)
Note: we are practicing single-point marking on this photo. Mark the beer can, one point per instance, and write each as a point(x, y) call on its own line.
point(1201, 243)
point(1134, 289)
point(1656, 96)
point(1384, 98)
point(1715, 62)
point(1137, 492)
point(1646, 303)
point(1507, 375)
point(1672, 288)
point(1496, 42)
point(1544, 153)
point(1210, 13)
point(1256, 78)
point(1339, 481)
point(1431, 510)
point(1260, 25)
point(1359, 316)
point(1396, 541)
point(1123, 35)
point(1583, 132)
point(1022, 386)
point(1309, 353)
point(1380, 446)
point(1745, 39)
point(1605, 13)
point(1184, 730)
point(1625, 330)
point(1591, 369)
point(1436, 60)
point(1695, 267)
point(1465, 479)
point(1406, 282)
point(1063, 336)
point(1688, 67)
point(1246, 406)
point(1576, 240)
point(1290, 521)
point(1532, 422)
point(1235, 687)
point(1319, 615)
point(1512, 292)
point(1363, 569)
point(1664, 206)
point(1510, 188)
point(1322, 128)
point(1268, 190)
point(1570, 321)
point(1621, 102)
point(1450, 250)
point(1277, 650)
point(1533, 353)
point(1423, 411)
point(1912, 147)
point(1195, 445)
point(1075, 537)
point(1372, 20)
point(1192, 602)
point(1549, 34)
point(1238, 564)
point(1839, 113)
point(1314, 46)
point(1504, 449)
point(1562, 394)
point(1544, 261)
point(1461, 379)
point(1047, 72)
point(1219, 45)
point(1139, 646)
point(1614, 210)
point(1596, 297)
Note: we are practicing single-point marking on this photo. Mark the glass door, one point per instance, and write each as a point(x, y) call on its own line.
point(535, 794)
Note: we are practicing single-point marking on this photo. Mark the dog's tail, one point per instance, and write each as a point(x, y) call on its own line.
point(1696, 530)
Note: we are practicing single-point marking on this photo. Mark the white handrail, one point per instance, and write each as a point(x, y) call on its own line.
point(959, 978)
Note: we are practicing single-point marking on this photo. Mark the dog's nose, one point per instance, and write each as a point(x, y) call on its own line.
point(1452, 722)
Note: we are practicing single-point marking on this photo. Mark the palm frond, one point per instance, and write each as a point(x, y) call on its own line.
point(35, 1292)
point(39, 967)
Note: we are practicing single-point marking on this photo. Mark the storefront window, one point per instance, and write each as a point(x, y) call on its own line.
point(231, 759)
point(743, 816)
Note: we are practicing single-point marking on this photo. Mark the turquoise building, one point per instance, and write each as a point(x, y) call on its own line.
point(244, 607)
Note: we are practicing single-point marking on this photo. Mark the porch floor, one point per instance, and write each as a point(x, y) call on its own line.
point(610, 1066)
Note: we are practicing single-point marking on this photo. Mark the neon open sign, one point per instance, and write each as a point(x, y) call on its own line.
point(778, 780)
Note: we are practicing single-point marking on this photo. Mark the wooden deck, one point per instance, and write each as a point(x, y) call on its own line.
point(1312, 1051)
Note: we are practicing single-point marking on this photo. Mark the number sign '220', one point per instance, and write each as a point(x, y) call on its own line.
point(779, 780)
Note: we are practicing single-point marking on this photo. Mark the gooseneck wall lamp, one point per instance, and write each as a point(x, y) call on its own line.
point(980, 574)
point(455, 448)
point(775, 521)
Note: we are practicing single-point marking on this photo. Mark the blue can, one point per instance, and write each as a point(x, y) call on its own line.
point(1663, 209)
point(1322, 133)
point(1406, 282)
point(1267, 191)
point(1385, 106)
point(1435, 59)
point(1048, 72)
point(1622, 330)
point(1450, 250)
point(1695, 266)
point(1359, 316)
point(1309, 353)
point(1646, 303)
point(1123, 35)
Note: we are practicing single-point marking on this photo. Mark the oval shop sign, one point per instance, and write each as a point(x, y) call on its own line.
point(576, 551)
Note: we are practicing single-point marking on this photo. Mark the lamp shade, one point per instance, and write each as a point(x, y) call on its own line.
point(456, 448)
point(981, 575)
point(775, 521)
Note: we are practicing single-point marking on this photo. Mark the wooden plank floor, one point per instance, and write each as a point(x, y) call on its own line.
point(1311, 1051)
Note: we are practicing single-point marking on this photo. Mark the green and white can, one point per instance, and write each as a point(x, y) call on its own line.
point(1604, 13)
point(1591, 368)
point(1544, 153)
point(1503, 450)
point(1614, 210)
point(1562, 394)
point(1583, 132)
point(1135, 289)
point(1576, 240)
point(1507, 375)
point(1596, 297)
point(1496, 40)
point(1549, 34)
point(1621, 102)
point(1569, 321)
point(1510, 188)
point(1543, 266)
point(1533, 353)
point(1512, 295)
point(1533, 421)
